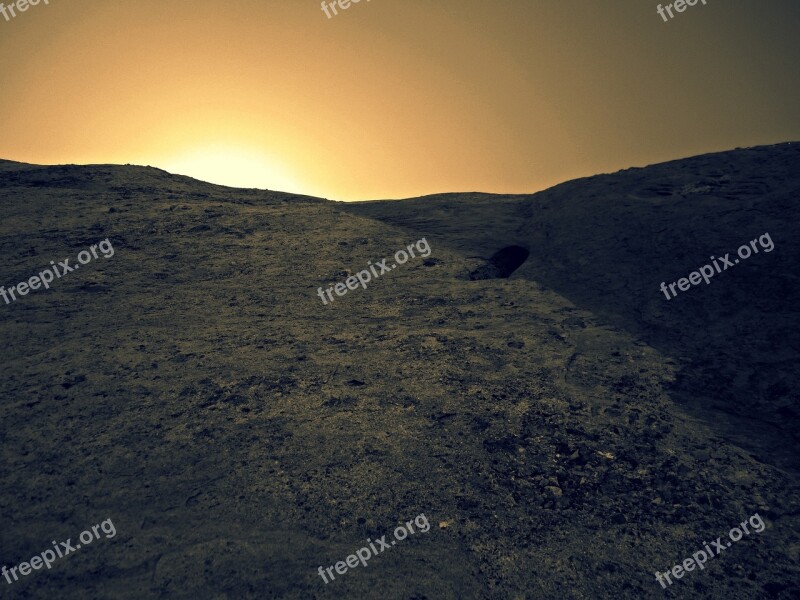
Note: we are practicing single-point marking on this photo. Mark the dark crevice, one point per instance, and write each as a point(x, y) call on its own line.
point(502, 264)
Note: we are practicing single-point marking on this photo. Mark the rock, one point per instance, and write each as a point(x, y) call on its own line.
point(554, 491)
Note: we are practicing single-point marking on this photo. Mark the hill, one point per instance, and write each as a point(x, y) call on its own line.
point(565, 429)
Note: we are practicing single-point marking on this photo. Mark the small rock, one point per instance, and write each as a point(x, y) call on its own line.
point(554, 491)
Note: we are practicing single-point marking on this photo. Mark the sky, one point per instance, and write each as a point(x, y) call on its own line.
point(391, 98)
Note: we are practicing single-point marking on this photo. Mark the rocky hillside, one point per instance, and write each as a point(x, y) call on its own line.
point(565, 430)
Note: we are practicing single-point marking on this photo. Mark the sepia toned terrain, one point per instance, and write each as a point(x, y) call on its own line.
point(566, 429)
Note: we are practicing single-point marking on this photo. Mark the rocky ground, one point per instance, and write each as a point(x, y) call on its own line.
point(567, 431)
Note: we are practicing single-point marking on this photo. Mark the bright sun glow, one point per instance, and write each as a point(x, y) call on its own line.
point(235, 167)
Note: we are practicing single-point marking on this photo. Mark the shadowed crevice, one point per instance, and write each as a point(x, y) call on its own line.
point(502, 264)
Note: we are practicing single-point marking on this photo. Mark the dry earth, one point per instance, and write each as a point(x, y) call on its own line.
point(567, 431)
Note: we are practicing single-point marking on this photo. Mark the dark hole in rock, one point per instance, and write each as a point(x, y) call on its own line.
point(502, 264)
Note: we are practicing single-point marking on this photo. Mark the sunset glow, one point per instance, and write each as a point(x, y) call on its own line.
point(391, 99)
point(234, 167)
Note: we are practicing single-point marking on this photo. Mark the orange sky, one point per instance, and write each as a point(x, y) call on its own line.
point(394, 98)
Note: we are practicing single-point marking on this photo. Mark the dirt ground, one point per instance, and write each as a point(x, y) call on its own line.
point(567, 431)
